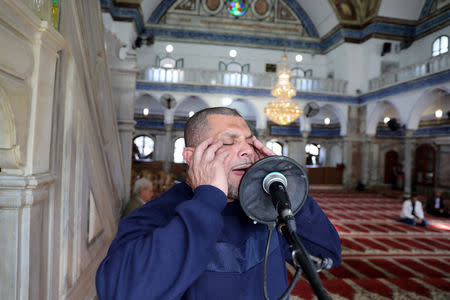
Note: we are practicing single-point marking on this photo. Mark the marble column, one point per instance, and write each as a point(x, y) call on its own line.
point(303, 143)
point(365, 160)
point(168, 157)
point(123, 83)
point(347, 160)
point(408, 161)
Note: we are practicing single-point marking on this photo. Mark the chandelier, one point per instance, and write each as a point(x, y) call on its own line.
point(283, 110)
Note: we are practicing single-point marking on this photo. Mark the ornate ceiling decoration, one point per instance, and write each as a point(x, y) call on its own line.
point(264, 18)
point(355, 12)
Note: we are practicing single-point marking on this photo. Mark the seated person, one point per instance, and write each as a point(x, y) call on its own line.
point(436, 206)
point(412, 212)
point(142, 193)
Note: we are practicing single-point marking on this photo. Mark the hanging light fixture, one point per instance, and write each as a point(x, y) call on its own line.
point(283, 110)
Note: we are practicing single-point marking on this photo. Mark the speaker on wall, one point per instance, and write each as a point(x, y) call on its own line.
point(386, 48)
point(393, 124)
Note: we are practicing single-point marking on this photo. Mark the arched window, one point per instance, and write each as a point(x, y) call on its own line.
point(312, 154)
point(440, 45)
point(425, 163)
point(143, 147)
point(275, 146)
point(178, 151)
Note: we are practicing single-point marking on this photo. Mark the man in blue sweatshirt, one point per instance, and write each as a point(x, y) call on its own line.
point(195, 242)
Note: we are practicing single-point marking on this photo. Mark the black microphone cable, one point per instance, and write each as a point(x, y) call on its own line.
point(294, 281)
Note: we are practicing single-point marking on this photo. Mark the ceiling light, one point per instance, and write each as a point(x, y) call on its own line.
point(386, 119)
point(169, 48)
point(145, 111)
point(327, 121)
point(191, 113)
point(298, 58)
point(438, 113)
point(226, 101)
point(283, 110)
point(233, 53)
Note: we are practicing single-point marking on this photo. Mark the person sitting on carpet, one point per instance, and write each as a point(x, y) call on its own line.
point(195, 241)
point(436, 205)
point(142, 193)
point(412, 212)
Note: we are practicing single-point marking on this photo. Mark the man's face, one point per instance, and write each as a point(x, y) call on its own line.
point(237, 139)
point(146, 194)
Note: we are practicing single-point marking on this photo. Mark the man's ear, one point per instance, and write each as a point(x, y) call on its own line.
point(187, 154)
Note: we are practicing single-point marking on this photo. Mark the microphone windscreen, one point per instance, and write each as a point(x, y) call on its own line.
point(256, 203)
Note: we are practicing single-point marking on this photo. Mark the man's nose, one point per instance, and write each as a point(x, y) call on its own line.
point(246, 149)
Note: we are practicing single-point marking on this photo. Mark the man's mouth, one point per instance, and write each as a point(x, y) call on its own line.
point(240, 170)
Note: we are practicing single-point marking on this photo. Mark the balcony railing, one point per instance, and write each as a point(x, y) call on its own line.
point(434, 65)
point(236, 79)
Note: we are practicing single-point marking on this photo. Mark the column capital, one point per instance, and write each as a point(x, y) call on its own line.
point(305, 133)
point(409, 133)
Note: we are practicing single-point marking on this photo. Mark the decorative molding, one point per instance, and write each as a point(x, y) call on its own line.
point(208, 89)
point(406, 86)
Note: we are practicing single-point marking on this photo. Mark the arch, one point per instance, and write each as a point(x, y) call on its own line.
point(190, 103)
point(147, 100)
point(333, 112)
point(246, 108)
point(377, 113)
point(427, 99)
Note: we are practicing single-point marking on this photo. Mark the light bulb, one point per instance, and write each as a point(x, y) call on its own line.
point(169, 48)
point(438, 113)
point(145, 111)
point(386, 119)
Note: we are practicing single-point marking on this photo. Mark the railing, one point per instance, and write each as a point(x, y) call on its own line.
point(236, 79)
point(434, 65)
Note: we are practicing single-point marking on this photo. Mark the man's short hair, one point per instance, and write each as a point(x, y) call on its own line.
point(140, 184)
point(199, 122)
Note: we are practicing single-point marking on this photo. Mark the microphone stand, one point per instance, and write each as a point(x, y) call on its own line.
point(302, 259)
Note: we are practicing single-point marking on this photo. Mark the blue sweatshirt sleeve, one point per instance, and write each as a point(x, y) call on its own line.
point(316, 232)
point(158, 254)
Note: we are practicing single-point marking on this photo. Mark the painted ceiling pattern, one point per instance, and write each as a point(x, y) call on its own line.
point(262, 18)
point(355, 12)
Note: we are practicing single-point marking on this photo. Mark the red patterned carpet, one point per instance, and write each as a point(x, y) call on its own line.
point(382, 258)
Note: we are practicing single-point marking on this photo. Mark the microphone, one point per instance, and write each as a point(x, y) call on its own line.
point(275, 184)
point(285, 200)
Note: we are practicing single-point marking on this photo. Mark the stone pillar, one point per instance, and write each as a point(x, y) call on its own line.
point(126, 130)
point(347, 160)
point(168, 145)
point(295, 151)
point(374, 159)
point(123, 84)
point(407, 163)
point(303, 143)
point(365, 160)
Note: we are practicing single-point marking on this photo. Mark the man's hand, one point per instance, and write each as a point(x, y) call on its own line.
point(261, 150)
point(207, 165)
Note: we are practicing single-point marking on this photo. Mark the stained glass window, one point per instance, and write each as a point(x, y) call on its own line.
point(237, 7)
